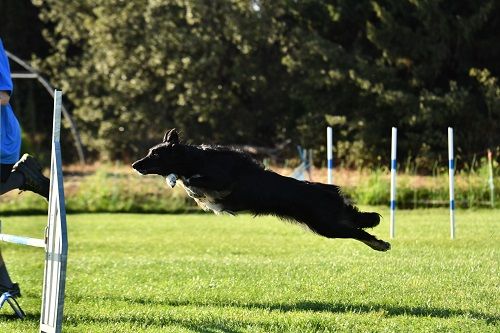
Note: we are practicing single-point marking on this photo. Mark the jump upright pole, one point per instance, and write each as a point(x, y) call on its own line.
point(55, 241)
point(451, 173)
point(393, 181)
point(329, 153)
point(54, 279)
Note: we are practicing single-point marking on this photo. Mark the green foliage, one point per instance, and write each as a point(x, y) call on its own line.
point(225, 72)
point(425, 52)
point(471, 190)
point(374, 191)
point(106, 191)
point(204, 273)
point(109, 190)
point(142, 67)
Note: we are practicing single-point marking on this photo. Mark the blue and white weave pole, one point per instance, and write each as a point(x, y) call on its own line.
point(451, 173)
point(329, 153)
point(393, 181)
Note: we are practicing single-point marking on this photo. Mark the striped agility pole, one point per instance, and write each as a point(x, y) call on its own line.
point(329, 153)
point(451, 173)
point(393, 181)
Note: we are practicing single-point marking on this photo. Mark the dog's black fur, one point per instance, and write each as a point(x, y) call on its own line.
point(225, 180)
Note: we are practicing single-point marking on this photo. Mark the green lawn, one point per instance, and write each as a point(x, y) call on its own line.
point(207, 273)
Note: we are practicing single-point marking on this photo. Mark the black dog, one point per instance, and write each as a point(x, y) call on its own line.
point(225, 180)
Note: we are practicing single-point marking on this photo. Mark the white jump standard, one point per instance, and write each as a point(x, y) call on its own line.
point(55, 240)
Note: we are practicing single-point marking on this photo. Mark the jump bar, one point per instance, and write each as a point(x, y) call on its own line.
point(24, 75)
point(22, 240)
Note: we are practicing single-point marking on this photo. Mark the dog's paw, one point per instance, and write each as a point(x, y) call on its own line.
point(377, 244)
point(171, 180)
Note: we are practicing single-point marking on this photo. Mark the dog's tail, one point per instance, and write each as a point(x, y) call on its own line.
point(366, 220)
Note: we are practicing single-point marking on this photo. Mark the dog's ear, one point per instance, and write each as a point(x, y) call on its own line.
point(171, 136)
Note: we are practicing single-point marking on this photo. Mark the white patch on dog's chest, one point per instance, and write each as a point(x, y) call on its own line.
point(207, 200)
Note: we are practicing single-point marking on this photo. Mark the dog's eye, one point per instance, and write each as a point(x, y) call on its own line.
point(154, 154)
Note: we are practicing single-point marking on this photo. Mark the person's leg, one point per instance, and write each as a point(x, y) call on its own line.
point(6, 283)
point(4, 276)
point(8, 181)
point(34, 180)
point(24, 175)
point(15, 180)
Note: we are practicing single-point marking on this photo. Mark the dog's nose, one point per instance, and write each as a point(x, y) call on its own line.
point(136, 165)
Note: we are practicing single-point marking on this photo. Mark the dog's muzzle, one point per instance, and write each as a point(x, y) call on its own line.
point(136, 166)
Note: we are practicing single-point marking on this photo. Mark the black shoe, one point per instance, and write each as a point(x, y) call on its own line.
point(13, 290)
point(34, 180)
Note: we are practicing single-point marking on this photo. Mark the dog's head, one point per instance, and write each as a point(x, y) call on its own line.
point(162, 159)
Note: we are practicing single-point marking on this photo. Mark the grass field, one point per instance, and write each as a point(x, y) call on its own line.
point(206, 273)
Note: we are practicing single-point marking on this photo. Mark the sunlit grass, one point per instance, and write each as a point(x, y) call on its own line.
point(206, 273)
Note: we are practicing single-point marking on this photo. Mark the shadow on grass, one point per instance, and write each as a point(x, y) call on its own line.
point(208, 325)
point(215, 325)
point(387, 309)
point(212, 325)
point(10, 316)
point(330, 307)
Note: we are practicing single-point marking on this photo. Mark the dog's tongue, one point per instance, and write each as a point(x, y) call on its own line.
point(171, 180)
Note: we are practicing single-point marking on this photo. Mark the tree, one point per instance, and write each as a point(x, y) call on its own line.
point(133, 69)
point(427, 49)
point(257, 72)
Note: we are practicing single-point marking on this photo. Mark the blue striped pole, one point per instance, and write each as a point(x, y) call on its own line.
point(451, 174)
point(329, 153)
point(393, 180)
